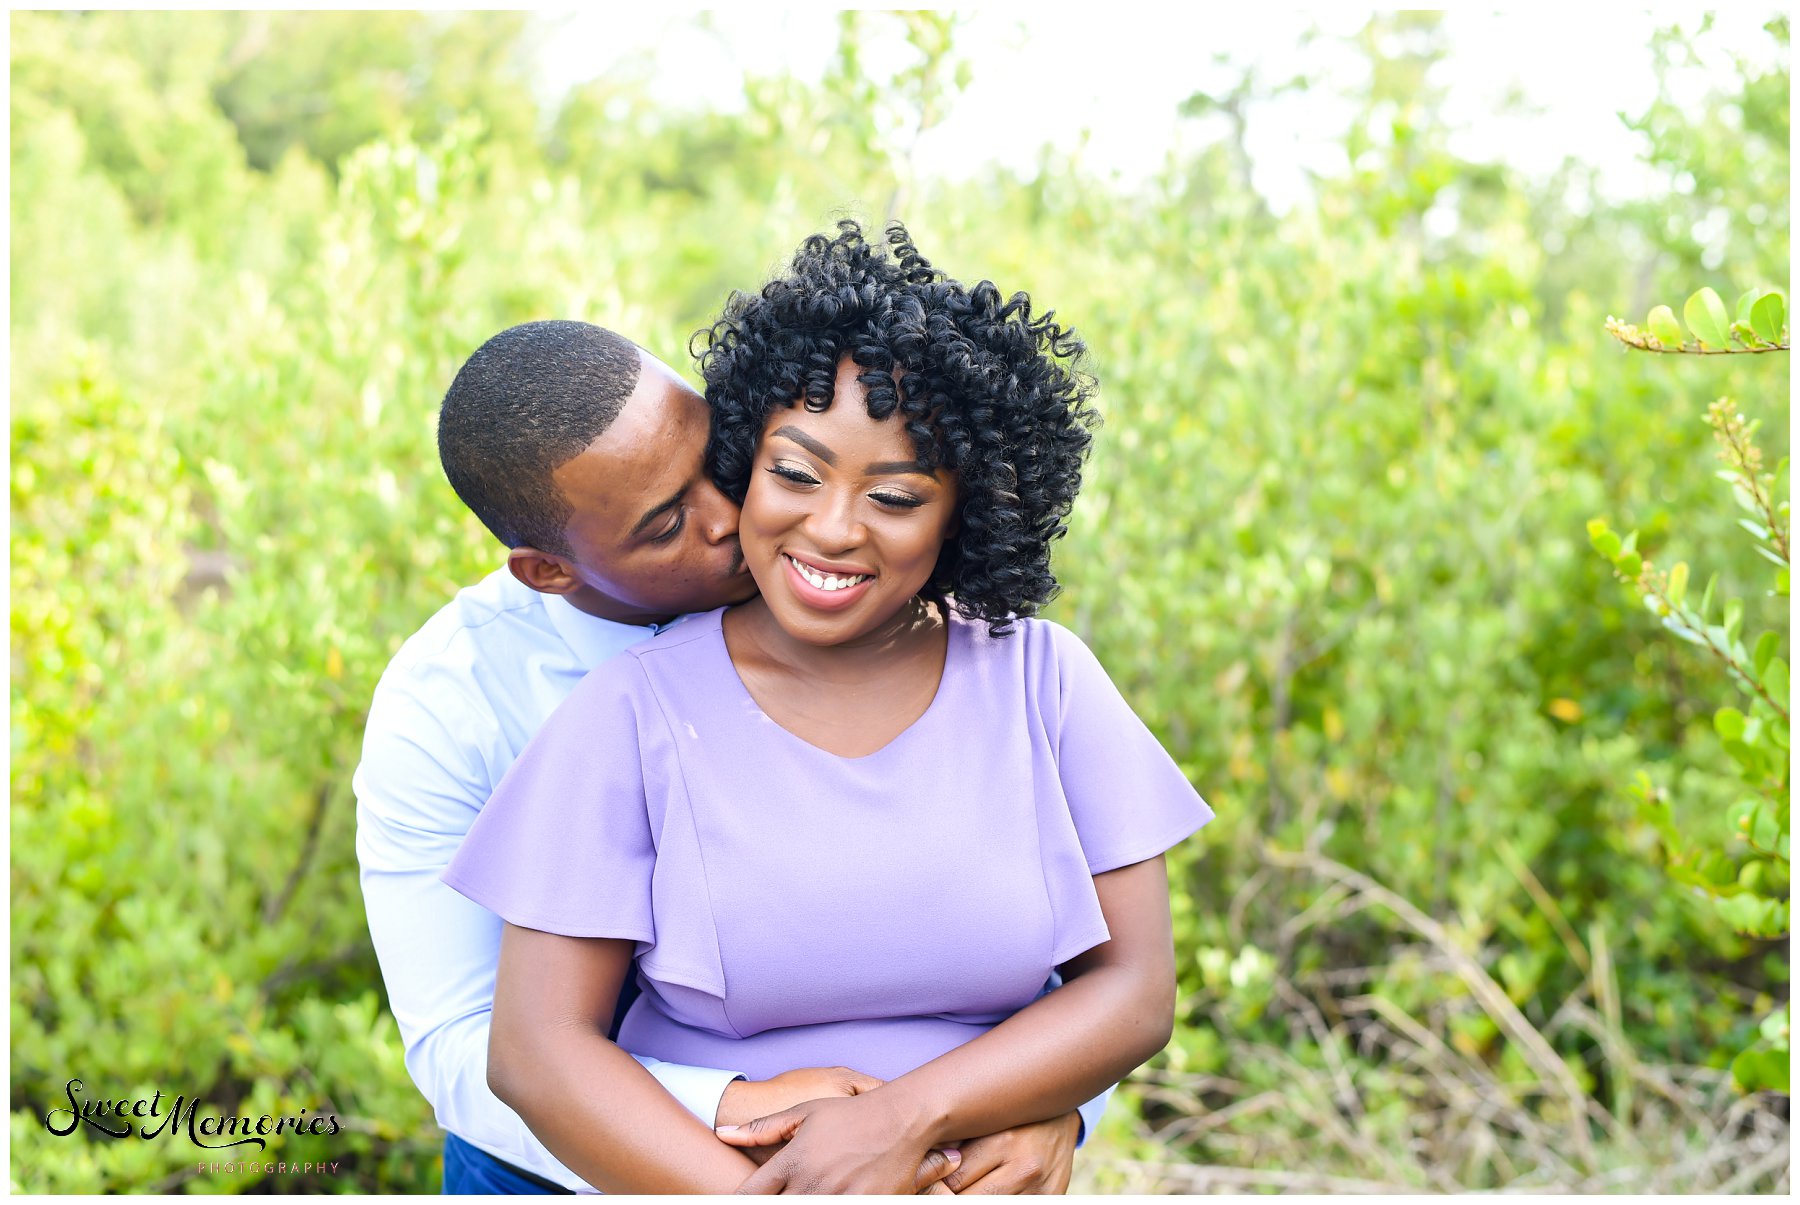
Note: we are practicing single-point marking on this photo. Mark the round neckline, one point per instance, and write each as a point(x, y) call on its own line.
point(952, 626)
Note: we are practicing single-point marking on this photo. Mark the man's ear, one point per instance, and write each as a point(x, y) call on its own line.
point(541, 571)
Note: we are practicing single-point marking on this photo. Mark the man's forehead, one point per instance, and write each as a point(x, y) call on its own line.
point(649, 454)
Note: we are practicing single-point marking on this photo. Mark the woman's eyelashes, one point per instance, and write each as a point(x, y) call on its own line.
point(888, 498)
point(789, 473)
point(675, 527)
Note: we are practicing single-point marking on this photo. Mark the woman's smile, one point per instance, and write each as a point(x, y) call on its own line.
point(828, 589)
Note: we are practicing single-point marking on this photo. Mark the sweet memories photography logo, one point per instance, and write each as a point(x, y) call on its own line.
point(149, 1117)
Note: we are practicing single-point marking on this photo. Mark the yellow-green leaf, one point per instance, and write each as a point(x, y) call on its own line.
point(1678, 582)
point(1706, 317)
point(1768, 317)
point(1662, 324)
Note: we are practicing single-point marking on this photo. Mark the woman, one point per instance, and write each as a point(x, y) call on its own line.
point(861, 818)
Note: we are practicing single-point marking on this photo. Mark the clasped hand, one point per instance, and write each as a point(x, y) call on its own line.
point(840, 1137)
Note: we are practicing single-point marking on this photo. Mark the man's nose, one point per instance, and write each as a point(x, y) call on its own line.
point(719, 515)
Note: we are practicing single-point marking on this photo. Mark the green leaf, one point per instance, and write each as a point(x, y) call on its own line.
point(1774, 1027)
point(1679, 629)
point(1606, 543)
point(1768, 317)
point(1774, 679)
point(1746, 913)
point(1715, 869)
point(1728, 722)
point(1678, 582)
point(1765, 825)
point(1754, 528)
point(1740, 814)
point(1766, 644)
point(1761, 1070)
point(1706, 317)
point(1741, 311)
point(1662, 324)
point(1712, 584)
point(1781, 582)
point(1734, 618)
point(1629, 563)
point(1745, 334)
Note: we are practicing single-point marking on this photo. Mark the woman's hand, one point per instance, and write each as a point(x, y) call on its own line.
point(1026, 1160)
point(856, 1144)
point(1036, 1159)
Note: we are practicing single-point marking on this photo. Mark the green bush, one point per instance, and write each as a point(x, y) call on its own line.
point(1332, 547)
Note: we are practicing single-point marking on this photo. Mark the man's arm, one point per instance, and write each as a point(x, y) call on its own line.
point(1115, 1011)
point(419, 787)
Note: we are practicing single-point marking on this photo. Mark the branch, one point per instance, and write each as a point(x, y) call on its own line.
point(1489, 994)
point(1745, 458)
point(277, 904)
point(1647, 584)
point(1697, 350)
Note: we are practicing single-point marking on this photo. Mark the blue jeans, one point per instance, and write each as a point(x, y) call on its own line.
point(470, 1170)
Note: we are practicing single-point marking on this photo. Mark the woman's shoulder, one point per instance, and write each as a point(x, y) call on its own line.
point(1031, 639)
point(1046, 656)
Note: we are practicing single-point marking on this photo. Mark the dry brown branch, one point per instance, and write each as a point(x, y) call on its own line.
point(1329, 1041)
point(1492, 999)
point(1546, 904)
point(1184, 1178)
point(1776, 1160)
point(1192, 1127)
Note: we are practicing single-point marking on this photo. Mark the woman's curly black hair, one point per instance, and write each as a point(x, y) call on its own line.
point(985, 390)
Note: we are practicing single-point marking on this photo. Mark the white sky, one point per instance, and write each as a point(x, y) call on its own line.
point(1119, 73)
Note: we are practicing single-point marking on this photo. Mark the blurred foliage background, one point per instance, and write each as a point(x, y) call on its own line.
point(1333, 549)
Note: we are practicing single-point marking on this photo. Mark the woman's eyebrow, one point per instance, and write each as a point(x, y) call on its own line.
point(883, 467)
point(809, 443)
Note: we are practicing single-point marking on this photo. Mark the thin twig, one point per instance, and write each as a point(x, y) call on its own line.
point(1492, 998)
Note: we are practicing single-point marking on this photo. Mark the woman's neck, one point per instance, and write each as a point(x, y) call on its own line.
point(916, 630)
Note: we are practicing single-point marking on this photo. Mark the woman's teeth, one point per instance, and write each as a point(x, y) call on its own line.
point(827, 581)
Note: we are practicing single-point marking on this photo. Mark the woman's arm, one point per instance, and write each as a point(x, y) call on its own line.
point(593, 1105)
point(1115, 1009)
point(588, 1101)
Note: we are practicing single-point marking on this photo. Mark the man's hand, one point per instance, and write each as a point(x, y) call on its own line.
point(746, 1100)
point(1023, 1161)
point(845, 1145)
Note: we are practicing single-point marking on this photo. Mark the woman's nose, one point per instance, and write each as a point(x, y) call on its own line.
point(832, 523)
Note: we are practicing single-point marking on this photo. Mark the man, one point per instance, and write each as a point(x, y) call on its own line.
point(583, 455)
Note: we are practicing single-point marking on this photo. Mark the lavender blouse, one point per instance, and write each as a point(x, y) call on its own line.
point(793, 908)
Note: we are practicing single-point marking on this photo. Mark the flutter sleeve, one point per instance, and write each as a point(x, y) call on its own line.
point(565, 844)
point(1127, 797)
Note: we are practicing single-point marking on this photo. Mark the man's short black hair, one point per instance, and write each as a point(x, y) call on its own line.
point(528, 401)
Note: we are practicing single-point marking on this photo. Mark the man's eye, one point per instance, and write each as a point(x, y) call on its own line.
point(787, 473)
point(903, 501)
point(674, 528)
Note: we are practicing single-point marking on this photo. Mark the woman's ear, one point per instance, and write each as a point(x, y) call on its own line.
point(541, 571)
